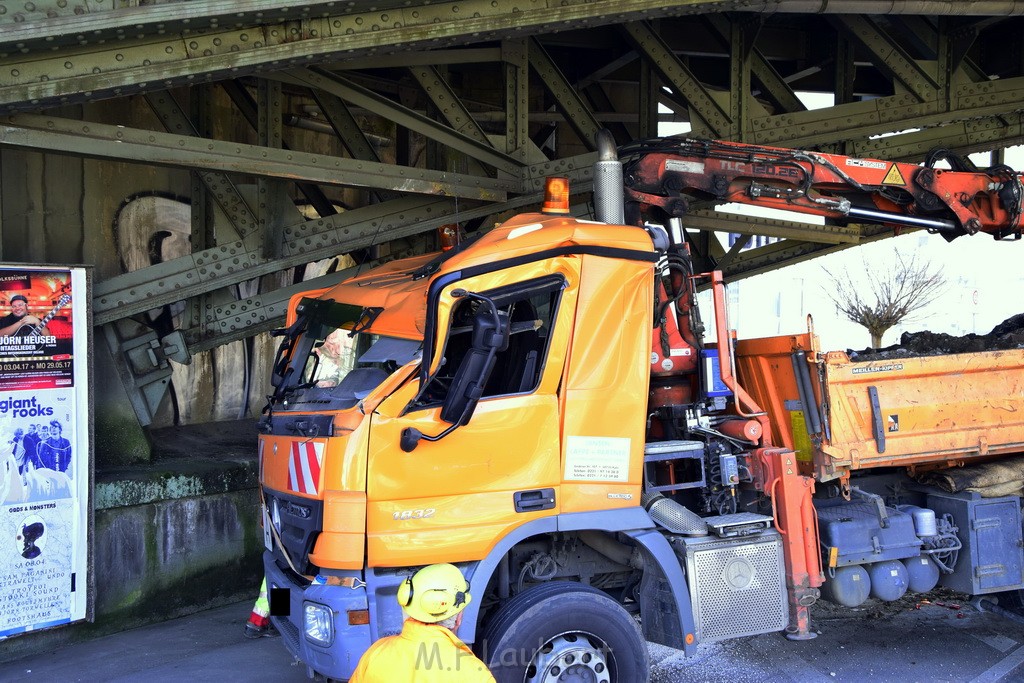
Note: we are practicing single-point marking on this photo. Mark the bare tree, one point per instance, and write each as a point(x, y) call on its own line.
point(889, 297)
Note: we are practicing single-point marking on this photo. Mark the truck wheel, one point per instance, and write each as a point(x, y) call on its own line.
point(565, 631)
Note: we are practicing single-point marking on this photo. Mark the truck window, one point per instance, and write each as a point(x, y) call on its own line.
point(350, 366)
point(518, 368)
point(336, 359)
point(332, 358)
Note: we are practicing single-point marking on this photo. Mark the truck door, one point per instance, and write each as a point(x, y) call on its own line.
point(453, 498)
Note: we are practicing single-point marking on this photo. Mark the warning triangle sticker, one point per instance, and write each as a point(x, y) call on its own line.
point(893, 177)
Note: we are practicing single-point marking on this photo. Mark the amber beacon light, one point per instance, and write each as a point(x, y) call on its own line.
point(448, 236)
point(556, 195)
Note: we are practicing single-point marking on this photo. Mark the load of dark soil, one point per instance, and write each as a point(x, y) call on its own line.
point(1008, 334)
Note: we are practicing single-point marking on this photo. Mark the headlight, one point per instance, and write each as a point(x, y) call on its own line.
point(319, 624)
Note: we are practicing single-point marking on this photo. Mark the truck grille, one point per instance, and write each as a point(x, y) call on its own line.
point(301, 520)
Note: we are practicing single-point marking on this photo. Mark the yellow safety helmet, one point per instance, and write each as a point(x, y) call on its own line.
point(434, 593)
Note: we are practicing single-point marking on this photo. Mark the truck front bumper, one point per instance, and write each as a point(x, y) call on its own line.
point(338, 658)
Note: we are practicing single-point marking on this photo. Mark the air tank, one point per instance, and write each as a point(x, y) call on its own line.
point(849, 586)
point(888, 580)
point(922, 574)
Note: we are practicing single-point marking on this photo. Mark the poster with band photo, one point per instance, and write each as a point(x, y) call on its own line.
point(45, 463)
point(36, 329)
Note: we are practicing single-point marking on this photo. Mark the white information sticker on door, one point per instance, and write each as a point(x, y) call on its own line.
point(597, 458)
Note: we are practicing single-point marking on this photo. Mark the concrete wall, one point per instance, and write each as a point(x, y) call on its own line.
point(171, 538)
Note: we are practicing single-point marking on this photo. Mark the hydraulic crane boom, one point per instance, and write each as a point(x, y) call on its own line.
point(667, 173)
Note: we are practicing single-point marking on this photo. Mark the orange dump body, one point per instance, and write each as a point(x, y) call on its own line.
point(929, 411)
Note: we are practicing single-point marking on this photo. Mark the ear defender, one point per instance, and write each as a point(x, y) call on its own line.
point(434, 593)
point(437, 601)
point(405, 592)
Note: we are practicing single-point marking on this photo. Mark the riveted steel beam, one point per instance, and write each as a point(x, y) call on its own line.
point(467, 55)
point(448, 103)
point(607, 69)
point(960, 41)
point(706, 249)
point(927, 38)
point(203, 233)
point(963, 137)
point(96, 21)
point(841, 122)
point(719, 221)
point(647, 126)
point(271, 192)
point(244, 318)
point(577, 114)
point(247, 106)
point(617, 124)
point(132, 53)
point(889, 56)
point(789, 252)
point(218, 185)
point(774, 87)
point(229, 264)
point(741, 98)
point(444, 99)
point(707, 117)
point(139, 64)
point(888, 114)
point(340, 118)
point(741, 242)
point(128, 144)
point(403, 116)
point(515, 54)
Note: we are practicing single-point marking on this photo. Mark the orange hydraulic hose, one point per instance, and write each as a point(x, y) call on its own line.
point(725, 360)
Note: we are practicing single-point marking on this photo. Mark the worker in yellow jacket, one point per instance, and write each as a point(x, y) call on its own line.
point(426, 650)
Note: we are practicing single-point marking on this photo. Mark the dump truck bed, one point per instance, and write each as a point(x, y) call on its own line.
point(903, 411)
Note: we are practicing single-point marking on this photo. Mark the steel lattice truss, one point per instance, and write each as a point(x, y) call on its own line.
point(495, 95)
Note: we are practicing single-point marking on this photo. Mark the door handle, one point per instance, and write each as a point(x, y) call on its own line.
point(531, 501)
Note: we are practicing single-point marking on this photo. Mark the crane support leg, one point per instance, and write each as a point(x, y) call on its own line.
point(796, 521)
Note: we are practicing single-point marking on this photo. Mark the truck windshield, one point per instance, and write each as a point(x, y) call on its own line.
point(334, 364)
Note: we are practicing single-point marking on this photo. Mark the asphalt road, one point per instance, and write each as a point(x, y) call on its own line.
point(900, 641)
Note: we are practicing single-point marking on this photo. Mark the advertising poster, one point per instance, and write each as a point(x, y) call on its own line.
point(36, 340)
point(44, 448)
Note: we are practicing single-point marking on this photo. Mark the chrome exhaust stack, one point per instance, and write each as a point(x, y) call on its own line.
point(609, 203)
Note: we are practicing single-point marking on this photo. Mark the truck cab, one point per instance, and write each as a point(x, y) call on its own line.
point(392, 441)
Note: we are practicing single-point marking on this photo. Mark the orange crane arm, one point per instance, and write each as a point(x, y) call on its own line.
point(668, 173)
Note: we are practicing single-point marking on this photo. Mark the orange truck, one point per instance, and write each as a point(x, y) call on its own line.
point(538, 406)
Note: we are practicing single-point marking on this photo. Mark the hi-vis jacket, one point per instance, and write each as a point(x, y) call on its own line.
point(421, 653)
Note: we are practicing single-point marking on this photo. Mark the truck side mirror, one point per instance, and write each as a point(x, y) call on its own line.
point(490, 335)
point(491, 330)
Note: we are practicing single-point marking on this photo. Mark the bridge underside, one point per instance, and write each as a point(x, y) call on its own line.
point(202, 155)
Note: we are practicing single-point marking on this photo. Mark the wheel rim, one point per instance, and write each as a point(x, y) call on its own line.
point(570, 658)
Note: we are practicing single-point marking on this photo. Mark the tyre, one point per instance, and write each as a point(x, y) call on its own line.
point(565, 631)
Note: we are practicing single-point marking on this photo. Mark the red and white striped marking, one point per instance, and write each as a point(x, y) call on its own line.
point(304, 467)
